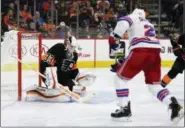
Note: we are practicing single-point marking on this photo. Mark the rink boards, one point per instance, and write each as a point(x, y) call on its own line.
point(94, 53)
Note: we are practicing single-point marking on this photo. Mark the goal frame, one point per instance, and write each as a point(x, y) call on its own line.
point(19, 53)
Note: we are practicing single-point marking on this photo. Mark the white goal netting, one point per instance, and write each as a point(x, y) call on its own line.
point(15, 77)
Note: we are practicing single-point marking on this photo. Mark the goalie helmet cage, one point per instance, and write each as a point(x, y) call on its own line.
point(21, 36)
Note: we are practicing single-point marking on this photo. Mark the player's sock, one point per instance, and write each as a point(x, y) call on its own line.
point(122, 96)
point(160, 93)
point(123, 102)
point(122, 91)
point(164, 96)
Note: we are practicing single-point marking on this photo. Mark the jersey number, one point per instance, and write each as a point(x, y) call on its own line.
point(149, 30)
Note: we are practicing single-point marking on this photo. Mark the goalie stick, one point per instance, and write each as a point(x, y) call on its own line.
point(66, 91)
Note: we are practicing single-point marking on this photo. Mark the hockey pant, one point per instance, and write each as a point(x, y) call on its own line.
point(178, 67)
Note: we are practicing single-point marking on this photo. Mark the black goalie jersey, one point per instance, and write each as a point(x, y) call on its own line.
point(65, 62)
point(181, 41)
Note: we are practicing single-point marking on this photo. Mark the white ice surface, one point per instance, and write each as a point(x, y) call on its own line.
point(146, 109)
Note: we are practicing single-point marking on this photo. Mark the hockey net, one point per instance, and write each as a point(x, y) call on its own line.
point(16, 77)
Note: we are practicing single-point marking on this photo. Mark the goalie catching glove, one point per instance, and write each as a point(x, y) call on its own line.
point(85, 79)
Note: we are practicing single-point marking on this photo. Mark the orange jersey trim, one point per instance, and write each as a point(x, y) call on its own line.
point(167, 79)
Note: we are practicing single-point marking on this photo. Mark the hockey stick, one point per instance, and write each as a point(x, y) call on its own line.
point(75, 96)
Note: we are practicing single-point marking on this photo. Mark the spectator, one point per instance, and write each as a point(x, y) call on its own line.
point(4, 28)
point(84, 17)
point(38, 20)
point(50, 28)
point(23, 24)
point(103, 4)
point(52, 31)
point(168, 8)
point(12, 6)
point(72, 12)
point(32, 26)
point(110, 15)
point(63, 30)
point(46, 5)
point(9, 20)
point(25, 14)
point(44, 30)
point(179, 15)
point(61, 7)
point(91, 9)
point(98, 16)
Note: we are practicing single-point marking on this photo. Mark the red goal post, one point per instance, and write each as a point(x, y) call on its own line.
point(21, 36)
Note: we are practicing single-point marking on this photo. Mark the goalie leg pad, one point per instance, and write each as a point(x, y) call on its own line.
point(51, 77)
point(46, 95)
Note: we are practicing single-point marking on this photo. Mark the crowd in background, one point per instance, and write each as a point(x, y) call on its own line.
point(96, 17)
point(174, 13)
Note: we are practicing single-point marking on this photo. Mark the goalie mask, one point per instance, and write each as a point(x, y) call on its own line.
point(71, 44)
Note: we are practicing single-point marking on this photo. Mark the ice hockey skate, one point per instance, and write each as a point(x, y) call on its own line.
point(122, 114)
point(177, 111)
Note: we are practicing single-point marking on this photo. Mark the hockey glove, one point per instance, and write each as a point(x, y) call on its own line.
point(116, 66)
point(116, 50)
point(67, 65)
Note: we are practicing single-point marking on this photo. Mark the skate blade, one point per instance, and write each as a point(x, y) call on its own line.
point(122, 119)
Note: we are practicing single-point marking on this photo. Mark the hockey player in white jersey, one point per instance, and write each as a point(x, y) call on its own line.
point(144, 55)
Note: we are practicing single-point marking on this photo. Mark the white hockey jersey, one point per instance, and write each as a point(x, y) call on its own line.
point(140, 31)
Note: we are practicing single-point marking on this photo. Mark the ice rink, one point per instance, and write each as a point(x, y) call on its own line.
point(146, 109)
